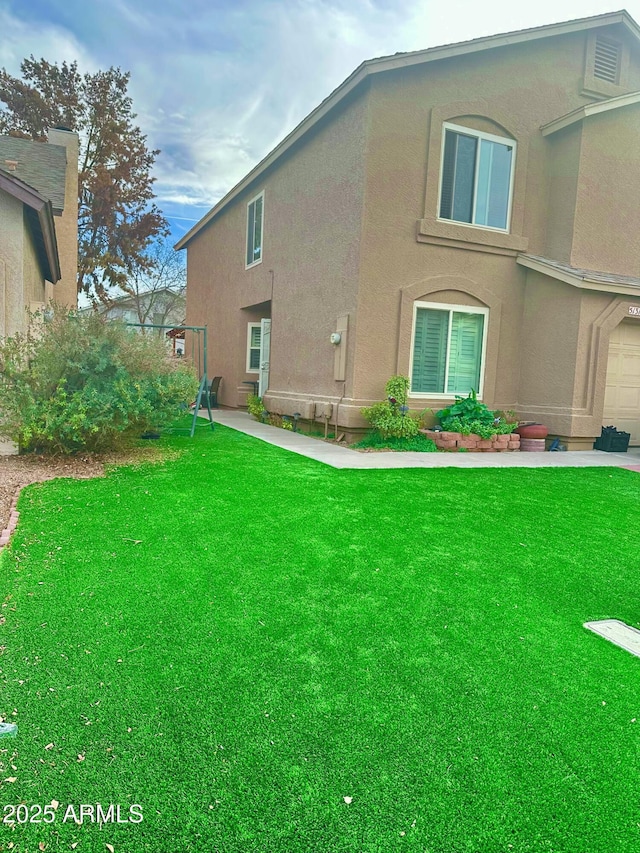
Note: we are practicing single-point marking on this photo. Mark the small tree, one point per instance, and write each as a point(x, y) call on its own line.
point(82, 383)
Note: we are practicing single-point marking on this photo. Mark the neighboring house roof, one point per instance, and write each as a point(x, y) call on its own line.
point(584, 279)
point(39, 215)
point(166, 299)
point(405, 60)
point(590, 110)
point(39, 164)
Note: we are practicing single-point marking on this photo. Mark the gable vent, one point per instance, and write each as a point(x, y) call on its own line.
point(607, 60)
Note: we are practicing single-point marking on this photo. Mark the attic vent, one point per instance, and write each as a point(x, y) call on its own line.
point(607, 60)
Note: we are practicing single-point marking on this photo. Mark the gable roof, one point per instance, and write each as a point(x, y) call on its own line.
point(39, 215)
point(405, 60)
point(41, 165)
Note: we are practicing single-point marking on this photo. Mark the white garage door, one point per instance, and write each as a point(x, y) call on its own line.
point(622, 396)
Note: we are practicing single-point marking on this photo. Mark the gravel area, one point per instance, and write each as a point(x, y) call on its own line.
point(19, 471)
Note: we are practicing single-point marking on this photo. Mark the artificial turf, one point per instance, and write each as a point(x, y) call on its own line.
point(240, 639)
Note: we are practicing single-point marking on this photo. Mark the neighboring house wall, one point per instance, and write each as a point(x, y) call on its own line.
point(65, 291)
point(32, 277)
point(51, 169)
point(38, 185)
point(12, 240)
point(22, 283)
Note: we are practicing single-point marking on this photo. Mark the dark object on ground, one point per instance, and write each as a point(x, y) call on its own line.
point(612, 440)
point(213, 392)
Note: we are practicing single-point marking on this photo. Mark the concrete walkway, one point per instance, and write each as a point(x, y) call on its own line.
point(342, 457)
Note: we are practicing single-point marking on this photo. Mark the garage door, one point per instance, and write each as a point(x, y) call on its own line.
point(622, 396)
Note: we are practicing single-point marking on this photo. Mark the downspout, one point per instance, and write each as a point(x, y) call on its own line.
point(335, 425)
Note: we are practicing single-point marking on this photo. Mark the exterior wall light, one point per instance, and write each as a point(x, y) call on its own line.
point(335, 338)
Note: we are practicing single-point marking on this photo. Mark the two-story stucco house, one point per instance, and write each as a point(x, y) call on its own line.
point(467, 215)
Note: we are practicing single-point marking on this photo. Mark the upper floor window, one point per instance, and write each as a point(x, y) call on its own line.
point(477, 177)
point(255, 217)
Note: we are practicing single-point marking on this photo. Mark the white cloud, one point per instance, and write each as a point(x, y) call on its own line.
point(21, 39)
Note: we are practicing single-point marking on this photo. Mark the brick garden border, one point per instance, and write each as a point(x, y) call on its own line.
point(14, 515)
point(454, 441)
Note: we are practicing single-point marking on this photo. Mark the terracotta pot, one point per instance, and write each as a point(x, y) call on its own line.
point(532, 431)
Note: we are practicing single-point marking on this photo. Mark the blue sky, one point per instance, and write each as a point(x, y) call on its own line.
point(217, 85)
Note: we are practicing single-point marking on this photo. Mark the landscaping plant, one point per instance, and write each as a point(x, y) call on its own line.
point(469, 416)
point(83, 383)
point(255, 406)
point(391, 417)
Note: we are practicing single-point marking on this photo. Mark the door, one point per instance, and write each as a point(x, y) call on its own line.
point(265, 354)
point(622, 395)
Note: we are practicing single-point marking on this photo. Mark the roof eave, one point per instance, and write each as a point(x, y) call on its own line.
point(44, 210)
point(45, 217)
point(596, 108)
point(577, 278)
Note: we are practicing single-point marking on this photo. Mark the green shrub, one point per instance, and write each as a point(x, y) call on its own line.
point(469, 416)
point(391, 417)
point(255, 406)
point(419, 443)
point(83, 383)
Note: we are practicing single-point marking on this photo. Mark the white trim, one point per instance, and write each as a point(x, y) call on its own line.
point(461, 309)
point(249, 348)
point(590, 110)
point(404, 60)
point(246, 247)
point(507, 141)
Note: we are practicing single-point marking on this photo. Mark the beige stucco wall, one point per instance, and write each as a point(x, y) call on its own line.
point(575, 333)
point(608, 199)
point(563, 158)
point(32, 277)
point(11, 242)
point(308, 276)
point(21, 278)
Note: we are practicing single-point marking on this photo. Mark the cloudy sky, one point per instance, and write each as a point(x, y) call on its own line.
point(218, 83)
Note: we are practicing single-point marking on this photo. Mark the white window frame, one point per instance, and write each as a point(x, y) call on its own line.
point(250, 369)
point(479, 134)
point(250, 241)
point(462, 309)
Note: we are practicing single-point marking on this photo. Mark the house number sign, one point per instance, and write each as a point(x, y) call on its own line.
point(634, 310)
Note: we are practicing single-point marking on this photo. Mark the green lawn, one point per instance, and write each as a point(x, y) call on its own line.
point(239, 639)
